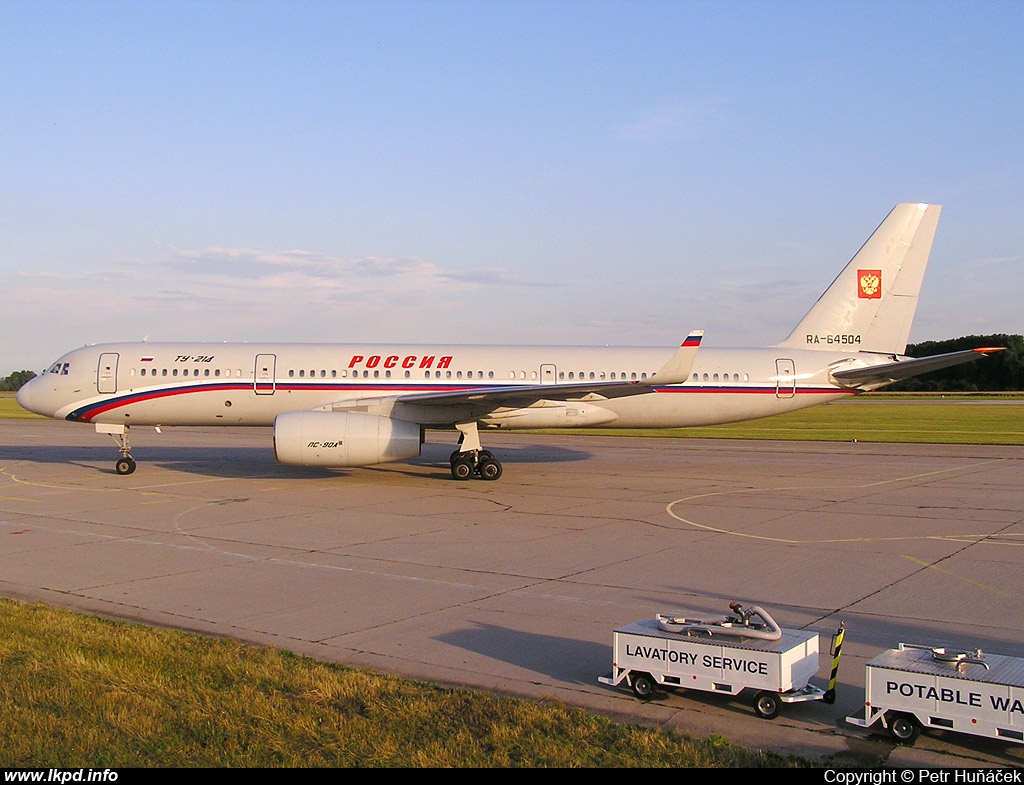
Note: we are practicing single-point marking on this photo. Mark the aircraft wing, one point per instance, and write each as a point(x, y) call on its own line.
point(675, 371)
point(874, 376)
point(476, 403)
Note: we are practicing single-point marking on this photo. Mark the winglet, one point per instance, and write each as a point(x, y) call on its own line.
point(693, 339)
point(677, 370)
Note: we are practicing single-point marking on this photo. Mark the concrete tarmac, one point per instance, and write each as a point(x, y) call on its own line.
point(516, 586)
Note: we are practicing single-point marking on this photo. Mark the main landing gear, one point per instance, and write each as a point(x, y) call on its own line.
point(119, 433)
point(471, 458)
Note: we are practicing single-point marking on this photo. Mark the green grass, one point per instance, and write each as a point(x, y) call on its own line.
point(921, 419)
point(80, 691)
point(9, 409)
point(917, 420)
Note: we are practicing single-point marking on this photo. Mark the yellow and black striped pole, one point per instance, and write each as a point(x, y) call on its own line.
point(837, 649)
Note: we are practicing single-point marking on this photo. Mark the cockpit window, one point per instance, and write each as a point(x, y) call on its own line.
point(59, 368)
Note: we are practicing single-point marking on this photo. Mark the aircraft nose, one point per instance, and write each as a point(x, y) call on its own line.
point(27, 396)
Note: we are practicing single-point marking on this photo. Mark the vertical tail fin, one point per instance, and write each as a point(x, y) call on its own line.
point(870, 306)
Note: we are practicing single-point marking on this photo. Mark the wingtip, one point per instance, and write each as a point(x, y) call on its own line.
point(694, 338)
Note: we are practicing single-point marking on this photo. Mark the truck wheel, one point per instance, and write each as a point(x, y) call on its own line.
point(767, 705)
point(904, 729)
point(643, 685)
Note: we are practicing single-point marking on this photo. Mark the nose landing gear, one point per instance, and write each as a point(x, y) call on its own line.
point(119, 433)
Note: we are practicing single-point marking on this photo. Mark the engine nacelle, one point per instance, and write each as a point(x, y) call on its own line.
point(343, 439)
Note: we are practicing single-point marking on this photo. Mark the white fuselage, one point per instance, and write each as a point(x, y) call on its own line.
point(169, 384)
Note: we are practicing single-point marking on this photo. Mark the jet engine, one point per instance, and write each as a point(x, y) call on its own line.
point(315, 438)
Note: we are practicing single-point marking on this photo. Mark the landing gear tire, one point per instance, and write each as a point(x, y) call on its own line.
point(125, 466)
point(643, 685)
point(767, 705)
point(489, 469)
point(462, 468)
point(904, 729)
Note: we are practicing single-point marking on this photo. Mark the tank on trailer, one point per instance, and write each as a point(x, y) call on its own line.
point(745, 650)
point(913, 687)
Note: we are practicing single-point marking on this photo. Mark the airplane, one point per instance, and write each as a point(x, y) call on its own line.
point(334, 405)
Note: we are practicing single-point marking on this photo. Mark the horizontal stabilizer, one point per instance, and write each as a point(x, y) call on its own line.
point(874, 376)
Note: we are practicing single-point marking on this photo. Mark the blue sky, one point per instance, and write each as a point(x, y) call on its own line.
point(494, 172)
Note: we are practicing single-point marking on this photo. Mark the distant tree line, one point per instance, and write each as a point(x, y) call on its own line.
point(999, 372)
point(15, 380)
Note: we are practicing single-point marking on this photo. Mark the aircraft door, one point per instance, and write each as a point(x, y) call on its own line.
point(264, 375)
point(785, 378)
point(548, 374)
point(106, 373)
